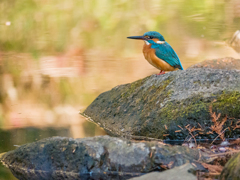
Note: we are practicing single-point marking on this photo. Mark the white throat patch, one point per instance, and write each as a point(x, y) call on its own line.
point(160, 42)
point(147, 43)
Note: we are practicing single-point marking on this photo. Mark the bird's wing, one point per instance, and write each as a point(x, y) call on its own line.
point(166, 53)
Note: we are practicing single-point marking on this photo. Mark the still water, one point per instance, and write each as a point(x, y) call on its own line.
point(57, 57)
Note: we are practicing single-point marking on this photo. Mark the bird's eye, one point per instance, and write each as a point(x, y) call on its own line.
point(148, 37)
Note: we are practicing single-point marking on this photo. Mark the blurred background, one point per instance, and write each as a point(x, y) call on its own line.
point(56, 57)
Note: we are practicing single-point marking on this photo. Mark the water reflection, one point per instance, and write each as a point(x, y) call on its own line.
point(56, 58)
point(12, 138)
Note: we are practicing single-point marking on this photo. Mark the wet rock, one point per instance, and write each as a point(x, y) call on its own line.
point(97, 157)
point(177, 173)
point(232, 169)
point(222, 63)
point(161, 106)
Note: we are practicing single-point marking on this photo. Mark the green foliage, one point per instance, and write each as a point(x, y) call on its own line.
point(51, 26)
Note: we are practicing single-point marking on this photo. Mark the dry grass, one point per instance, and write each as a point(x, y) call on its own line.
point(218, 124)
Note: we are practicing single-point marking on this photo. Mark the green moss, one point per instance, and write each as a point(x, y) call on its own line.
point(195, 108)
point(160, 94)
point(225, 103)
point(228, 103)
point(130, 88)
point(231, 168)
point(176, 109)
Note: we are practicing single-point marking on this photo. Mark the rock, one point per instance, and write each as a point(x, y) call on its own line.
point(161, 106)
point(234, 42)
point(97, 157)
point(232, 169)
point(177, 173)
point(222, 63)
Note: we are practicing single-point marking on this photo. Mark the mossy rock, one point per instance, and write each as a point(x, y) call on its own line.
point(231, 170)
point(161, 106)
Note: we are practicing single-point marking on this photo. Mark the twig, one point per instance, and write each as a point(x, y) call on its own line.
point(200, 125)
point(192, 136)
point(180, 127)
point(219, 154)
point(219, 135)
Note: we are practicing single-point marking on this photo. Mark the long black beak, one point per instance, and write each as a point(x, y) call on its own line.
point(136, 37)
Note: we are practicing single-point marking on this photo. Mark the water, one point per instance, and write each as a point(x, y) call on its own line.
point(56, 58)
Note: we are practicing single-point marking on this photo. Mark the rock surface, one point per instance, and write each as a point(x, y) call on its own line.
point(97, 157)
point(177, 173)
point(222, 63)
point(161, 106)
point(232, 169)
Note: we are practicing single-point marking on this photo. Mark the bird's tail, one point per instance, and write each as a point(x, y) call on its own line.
point(180, 64)
point(180, 67)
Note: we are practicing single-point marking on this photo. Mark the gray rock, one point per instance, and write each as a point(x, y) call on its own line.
point(97, 157)
point(157, 105)
point(222, 63)
point(177, 173)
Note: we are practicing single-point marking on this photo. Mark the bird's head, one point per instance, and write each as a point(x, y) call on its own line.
point(150, 36)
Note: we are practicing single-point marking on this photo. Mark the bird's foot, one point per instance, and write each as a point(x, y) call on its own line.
point(161, 72)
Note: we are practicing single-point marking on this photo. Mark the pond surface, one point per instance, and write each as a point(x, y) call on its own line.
point(57, 57)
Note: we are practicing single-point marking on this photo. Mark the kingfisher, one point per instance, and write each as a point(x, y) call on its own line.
point(158, 52)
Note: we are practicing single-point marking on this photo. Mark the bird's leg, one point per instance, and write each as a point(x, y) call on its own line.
point(161, 72)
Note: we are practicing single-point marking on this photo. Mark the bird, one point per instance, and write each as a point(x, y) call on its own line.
point(158, 52)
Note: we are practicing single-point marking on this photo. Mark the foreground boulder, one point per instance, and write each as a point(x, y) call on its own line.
point(161, 106)
point(98, 157)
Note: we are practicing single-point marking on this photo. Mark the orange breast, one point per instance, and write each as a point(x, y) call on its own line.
point(150, 56)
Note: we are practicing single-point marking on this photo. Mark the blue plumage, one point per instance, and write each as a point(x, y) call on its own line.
point(166, 53)
point(163, 51)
